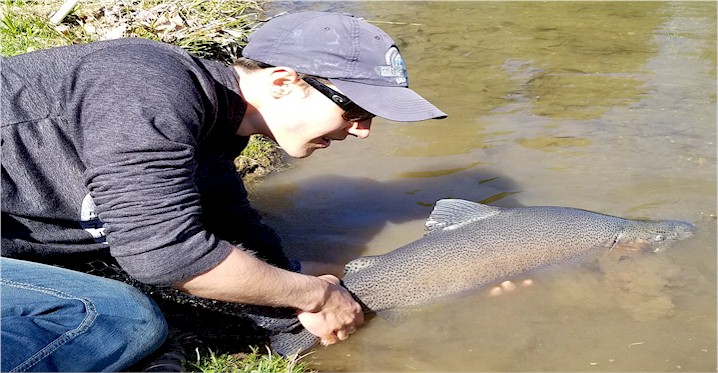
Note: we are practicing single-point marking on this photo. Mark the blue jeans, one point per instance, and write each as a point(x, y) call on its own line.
point(54, 319)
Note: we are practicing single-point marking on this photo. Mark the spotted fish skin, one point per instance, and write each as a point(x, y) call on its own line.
point(469, 245)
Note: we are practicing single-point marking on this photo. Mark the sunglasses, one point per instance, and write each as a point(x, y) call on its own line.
point(352, 111)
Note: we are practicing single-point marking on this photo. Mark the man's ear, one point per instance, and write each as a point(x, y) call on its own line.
point(283, 80)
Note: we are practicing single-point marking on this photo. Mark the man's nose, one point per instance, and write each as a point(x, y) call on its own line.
point(360, 129)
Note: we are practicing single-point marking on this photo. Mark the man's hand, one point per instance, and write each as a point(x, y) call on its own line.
point(338, 316)
point(325, 308)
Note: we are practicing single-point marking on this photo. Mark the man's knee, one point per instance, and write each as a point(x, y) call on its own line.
point(54, 319)
point(150, 323)
point(135, 323)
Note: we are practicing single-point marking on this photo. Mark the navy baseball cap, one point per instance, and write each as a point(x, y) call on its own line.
point(357, 57)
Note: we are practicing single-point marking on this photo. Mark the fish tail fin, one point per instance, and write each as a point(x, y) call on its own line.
point(293, 342)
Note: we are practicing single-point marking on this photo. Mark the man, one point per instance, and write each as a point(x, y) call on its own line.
point(126, 147)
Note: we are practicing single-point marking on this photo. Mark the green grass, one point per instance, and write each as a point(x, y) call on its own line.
point(252, 362)
point(212, 29)
point(23, 29)
point(259, 158)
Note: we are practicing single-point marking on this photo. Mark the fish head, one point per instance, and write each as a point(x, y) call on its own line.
point(650, 236)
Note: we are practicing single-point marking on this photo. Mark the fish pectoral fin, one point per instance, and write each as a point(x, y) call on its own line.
point(451, 213)
point(395, 316)
point(614, 243)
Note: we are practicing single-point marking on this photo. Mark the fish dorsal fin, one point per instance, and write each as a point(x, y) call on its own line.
point(453, 213)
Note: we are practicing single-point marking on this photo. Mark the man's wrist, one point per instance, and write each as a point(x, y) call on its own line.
point(313, 294)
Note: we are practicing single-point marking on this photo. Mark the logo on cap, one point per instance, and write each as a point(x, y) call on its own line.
point(396, 68)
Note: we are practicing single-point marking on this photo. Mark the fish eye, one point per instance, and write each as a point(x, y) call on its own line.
point(659, 237)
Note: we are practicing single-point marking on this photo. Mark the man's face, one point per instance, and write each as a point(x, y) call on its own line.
point(315, 123)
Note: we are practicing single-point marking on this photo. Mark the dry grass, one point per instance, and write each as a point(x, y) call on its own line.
point(213, 29)
point(209, 29)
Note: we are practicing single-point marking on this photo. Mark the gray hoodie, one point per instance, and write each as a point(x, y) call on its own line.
point(127, 146)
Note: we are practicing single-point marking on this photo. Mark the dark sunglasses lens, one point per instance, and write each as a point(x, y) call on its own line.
point(357, 114)
point(353, 113)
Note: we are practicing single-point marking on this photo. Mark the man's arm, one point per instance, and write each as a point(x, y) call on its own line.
point(326, 309)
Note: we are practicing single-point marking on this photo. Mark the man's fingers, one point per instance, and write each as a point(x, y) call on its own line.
point(340, 335)
point(329, 340)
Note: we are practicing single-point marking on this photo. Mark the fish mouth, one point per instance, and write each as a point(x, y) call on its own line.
point(681, 231)
point(687, 230)
point(634, 246)
point(666, 235)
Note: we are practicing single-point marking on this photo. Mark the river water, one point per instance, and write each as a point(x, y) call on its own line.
point(609, 107)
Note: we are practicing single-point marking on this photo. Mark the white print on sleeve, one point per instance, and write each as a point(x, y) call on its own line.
point(90, 221)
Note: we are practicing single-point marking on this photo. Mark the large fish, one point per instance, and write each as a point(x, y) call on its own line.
point(469, 245)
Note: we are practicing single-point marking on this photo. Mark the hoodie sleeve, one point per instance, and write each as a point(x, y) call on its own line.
point(141, 109)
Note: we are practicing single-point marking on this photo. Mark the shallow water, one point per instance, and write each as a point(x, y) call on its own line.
point(609, 107)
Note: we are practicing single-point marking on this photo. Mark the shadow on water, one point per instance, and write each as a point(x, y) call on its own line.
point(621, 306)
point(332, 218)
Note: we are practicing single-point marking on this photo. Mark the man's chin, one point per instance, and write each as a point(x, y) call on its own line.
point(307, 149)
point(301, 153)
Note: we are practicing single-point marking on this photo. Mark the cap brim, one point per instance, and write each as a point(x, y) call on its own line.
point(399, 104)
